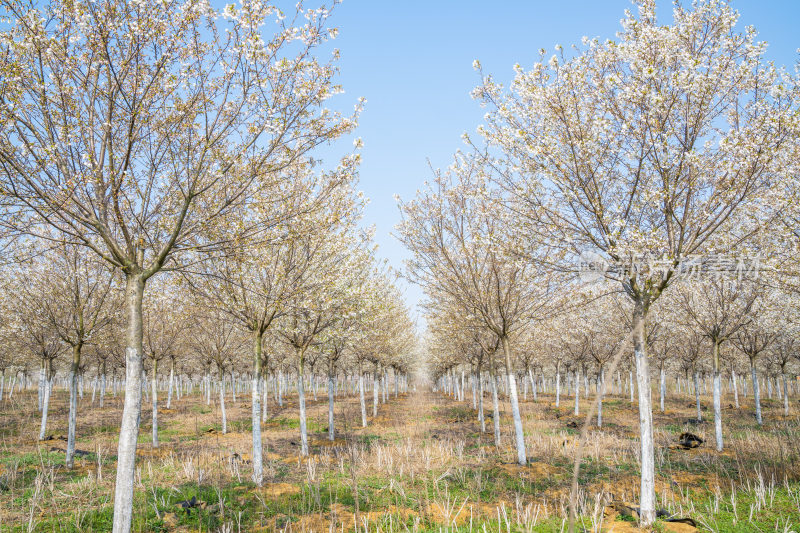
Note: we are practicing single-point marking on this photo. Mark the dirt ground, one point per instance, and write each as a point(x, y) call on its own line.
point(422, 464)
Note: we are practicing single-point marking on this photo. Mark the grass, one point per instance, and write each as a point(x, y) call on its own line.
point(421, 465)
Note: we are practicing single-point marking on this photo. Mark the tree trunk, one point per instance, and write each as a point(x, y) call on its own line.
point(45, 404)
point(717, 391)
point(73, 405)
point(171, 380)
point(132, 407)
point(42, 372)
point(735, 388)
point(601, 390)
point(301, 399)
point(255, 411)
point(264, 396)
point(647, 499)
point(577, 378)
point(519, 433)
point(481, 417)
point(103, 385)
point(375, 393)
point(533, 384)
point(756, 391)
point(663, 387)
point(558, 387)
point(474, 392)
point(154, 387)
point(785, 393)
point(361, 399)
point(331, 430)
point(280, 388)
point(222, 402)
point(495, 407)
point(697, 395)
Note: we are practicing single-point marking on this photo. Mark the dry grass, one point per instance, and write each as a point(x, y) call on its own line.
point(422, 464)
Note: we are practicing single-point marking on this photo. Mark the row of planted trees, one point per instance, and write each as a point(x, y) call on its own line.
point(722, 342)
point(626, 201)
point(163, 204)
point(190, 346)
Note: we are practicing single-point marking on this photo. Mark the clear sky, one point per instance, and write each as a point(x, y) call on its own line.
point(412, 61)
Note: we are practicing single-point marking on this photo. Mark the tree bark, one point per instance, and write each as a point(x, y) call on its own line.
point(662, 387)
point(331, 430)
point(519, 433)
point(697, 395)
point(558, 387)
point(255, 411)
point(647, 498)
point(785, 393)
point(375, 393)
point(264, 396)
point(495, 407)
point(717, 390)
point(222, 402)
point(756, 391)
point(481, 417)
point(154, 392)
point(103, 385)
point(42, 372)
point(73, 405)
point(601, 390)
point(45, 403)
point(171, 381)
point(301, 397)
point(577, 387)
point(132, 406)
point(362, 400)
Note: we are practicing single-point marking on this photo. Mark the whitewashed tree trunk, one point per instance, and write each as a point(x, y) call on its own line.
point(132, 406)
point(577, 387)
point(785, 393)
point(222, 403)
point(697, 395)
point(662, 388)
point(154, 392)
point(735, 388)
point(280, 388)
point(647, 495)
point(601, 390)
point(717, 391)
point(73, 406)
point(301, 400)
point(631, 388)
point(264, 398)
point(533, 384)
point(481, 417)
point(362, 400)
point(474, 391)
point(41, 384)
point(171, 381)
point(45, 407)
point(375, 393)
point(331, 430)
point(756, 391)
point(495, 409)
point(255, 411)
point(558, 388)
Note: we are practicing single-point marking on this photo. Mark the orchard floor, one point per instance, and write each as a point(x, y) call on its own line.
point(421, 465)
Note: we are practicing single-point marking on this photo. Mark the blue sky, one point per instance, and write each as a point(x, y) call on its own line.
point(412, 61)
